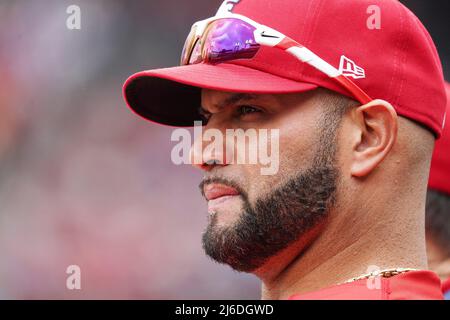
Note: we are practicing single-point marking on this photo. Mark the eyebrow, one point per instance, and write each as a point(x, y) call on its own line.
point(232, 100)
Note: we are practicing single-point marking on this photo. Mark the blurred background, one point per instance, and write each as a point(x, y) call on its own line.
point(82, 180)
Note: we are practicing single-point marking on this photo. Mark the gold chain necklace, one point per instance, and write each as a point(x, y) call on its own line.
point(386, 273)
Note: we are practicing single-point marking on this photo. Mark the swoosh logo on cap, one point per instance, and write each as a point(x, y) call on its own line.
point(263, 34)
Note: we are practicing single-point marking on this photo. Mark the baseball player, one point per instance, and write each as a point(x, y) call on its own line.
point(356, 90)
point(438, 208)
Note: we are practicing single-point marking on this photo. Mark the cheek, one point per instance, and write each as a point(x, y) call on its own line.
point(296, 147)
point(299, 139)
point(345, 147)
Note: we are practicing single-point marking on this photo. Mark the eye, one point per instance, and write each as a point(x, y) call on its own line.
point(246, 109)
point(205, 115)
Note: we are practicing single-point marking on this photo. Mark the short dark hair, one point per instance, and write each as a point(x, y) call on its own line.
point(438, 218)
point(335, 106)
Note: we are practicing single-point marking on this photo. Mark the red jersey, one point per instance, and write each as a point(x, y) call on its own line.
point(446, 289)
point(412, 285)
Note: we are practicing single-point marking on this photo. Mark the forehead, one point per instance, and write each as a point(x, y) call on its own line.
point(218, 100)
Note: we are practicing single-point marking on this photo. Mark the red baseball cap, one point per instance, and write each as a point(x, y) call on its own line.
point(397, 55)
point(440, 163)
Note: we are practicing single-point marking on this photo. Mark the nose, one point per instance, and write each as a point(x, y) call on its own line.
point(208, 150)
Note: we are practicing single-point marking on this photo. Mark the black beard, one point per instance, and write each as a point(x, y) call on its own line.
point(276, 221)
point(280, 218)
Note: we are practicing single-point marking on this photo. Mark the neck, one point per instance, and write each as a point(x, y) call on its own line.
point(348, 247)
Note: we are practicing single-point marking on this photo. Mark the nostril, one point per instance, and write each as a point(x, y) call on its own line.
point(210, 164)
point(213, 162)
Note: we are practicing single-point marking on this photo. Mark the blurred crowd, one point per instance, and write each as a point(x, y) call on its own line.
point(85, 182)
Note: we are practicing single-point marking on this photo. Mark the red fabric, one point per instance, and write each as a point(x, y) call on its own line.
point(400, 60)
point(446, 286)
point(440, 164)
point(232, 78)
point(413, 285)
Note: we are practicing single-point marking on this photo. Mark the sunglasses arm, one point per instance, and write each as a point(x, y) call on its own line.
point(307, 56)
point(272, 38)
point(268, 37)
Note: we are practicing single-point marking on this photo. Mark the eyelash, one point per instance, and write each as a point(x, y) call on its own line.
point(239, 111)
point(204, 114)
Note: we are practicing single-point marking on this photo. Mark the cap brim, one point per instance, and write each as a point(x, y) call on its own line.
point(172, 96)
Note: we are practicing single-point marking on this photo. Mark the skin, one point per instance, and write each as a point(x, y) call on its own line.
point(377, 217)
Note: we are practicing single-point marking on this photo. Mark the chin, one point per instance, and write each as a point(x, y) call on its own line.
point(225, 211)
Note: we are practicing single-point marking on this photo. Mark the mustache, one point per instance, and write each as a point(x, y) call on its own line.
point(222, 180)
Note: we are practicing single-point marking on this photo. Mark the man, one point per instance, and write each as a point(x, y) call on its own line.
point(438, 209)
point(356, 90)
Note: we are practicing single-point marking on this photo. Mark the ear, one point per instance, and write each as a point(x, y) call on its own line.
point(375, 134)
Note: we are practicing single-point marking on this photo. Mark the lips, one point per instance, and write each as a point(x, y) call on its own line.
point(214, 191)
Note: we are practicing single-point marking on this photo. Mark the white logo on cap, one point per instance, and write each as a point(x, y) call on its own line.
point(443, 121)
point(227, 6)
point(350, 69)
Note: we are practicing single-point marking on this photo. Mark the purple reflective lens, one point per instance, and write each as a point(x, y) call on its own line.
point(229, 39)
point(196, 55)
point(188, 46)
